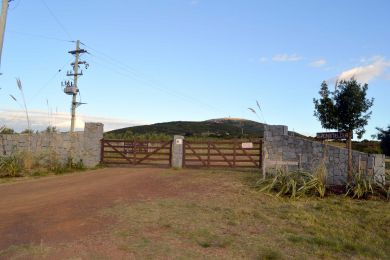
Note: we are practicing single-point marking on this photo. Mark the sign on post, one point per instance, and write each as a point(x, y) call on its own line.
point(332, 135)
point(246, 145)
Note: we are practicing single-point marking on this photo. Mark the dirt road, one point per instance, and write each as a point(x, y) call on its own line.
point(62, 209)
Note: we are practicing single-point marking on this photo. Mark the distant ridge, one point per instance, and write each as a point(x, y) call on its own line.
point(219, 127)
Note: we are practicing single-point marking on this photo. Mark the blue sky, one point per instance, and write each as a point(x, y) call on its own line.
point(155, 61)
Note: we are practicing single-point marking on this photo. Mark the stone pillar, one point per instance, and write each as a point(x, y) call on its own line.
point(273, 145)
point(177, 151)
point(379, 168)
point(93, 134)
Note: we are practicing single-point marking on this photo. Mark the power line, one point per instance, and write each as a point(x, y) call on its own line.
point(123, 65)
point(39, 36)
point(142, 78)
point(150, 84)
point(57, 20)
point(49, 81)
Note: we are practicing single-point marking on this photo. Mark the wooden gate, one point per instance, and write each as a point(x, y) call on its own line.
point(231, 154)
point(157, 153)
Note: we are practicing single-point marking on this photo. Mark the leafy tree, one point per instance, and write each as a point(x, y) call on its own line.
point(6, 130)
point(50, 129)
point(346, 109)
point(384, 137)
point(27, 131)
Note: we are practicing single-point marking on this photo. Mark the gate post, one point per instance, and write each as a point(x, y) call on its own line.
point(177, 151)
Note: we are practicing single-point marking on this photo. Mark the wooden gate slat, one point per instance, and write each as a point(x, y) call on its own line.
point(228, 153)
point(250, 157)
point(135, 152)
point(224, 157)
point(152, 153)
point(194, 153)
point(119, 152)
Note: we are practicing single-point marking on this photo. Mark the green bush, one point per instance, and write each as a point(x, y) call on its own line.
point(364, 186)
point(11, 166)
point(69, 166)
point(25, 163)
point(361, 186)
point(296, 184)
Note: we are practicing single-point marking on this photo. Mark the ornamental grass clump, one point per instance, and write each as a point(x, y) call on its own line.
point(319, 179)
point(11, 166)
point(295, 184)
point(363, 186)
point(360, 187)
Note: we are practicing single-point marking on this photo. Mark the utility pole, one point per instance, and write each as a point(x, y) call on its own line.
point(71, 88)
point(3, 20)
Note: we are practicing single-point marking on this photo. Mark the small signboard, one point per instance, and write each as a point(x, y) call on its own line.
point(246, 145)
point(332, 135)
point(179, 141)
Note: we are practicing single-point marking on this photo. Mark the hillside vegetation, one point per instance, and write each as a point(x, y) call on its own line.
point(226, 128)
point(223, 128)
point(217, 128)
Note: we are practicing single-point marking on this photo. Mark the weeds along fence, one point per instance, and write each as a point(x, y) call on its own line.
point(51, 149)
point(281, 149)
point(277, 149)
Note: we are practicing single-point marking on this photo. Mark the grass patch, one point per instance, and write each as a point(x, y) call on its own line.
point(25, 252)
point(12, 169)
point(229, 219)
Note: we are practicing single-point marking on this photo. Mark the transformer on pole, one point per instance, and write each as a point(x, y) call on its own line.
point(71, 87)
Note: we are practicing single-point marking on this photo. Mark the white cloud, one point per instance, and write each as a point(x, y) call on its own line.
point(286, 57)
point(16, 119)
point(317, 63)
point(263, 59)
point(373, 70)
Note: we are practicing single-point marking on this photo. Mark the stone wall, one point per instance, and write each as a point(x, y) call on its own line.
point(80, 146)
point(282, 150)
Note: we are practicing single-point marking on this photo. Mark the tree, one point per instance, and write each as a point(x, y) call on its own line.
point(346, 109)
point(384, 137)
point(6, 130)
point(50, 129)
point(27, 131)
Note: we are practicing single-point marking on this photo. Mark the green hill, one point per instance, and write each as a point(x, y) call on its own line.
point(216, 128)
point(224, 128)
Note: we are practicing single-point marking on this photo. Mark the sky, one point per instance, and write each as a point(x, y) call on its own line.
point(191, 60)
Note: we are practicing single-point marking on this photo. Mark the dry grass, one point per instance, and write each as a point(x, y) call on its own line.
point(228, 219)
point(223, 217)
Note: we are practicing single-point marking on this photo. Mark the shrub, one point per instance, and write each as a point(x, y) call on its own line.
point(361, 186)
point(296, 184)
point(5, 130)
point(10, 166)
point(69, 166)
point(383, 190)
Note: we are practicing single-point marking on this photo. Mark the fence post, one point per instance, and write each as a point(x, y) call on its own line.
point(234, 152)
point(101, 151)
point(208, 154)
point(263, 158)
point(134, 154)
point(177, 151)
